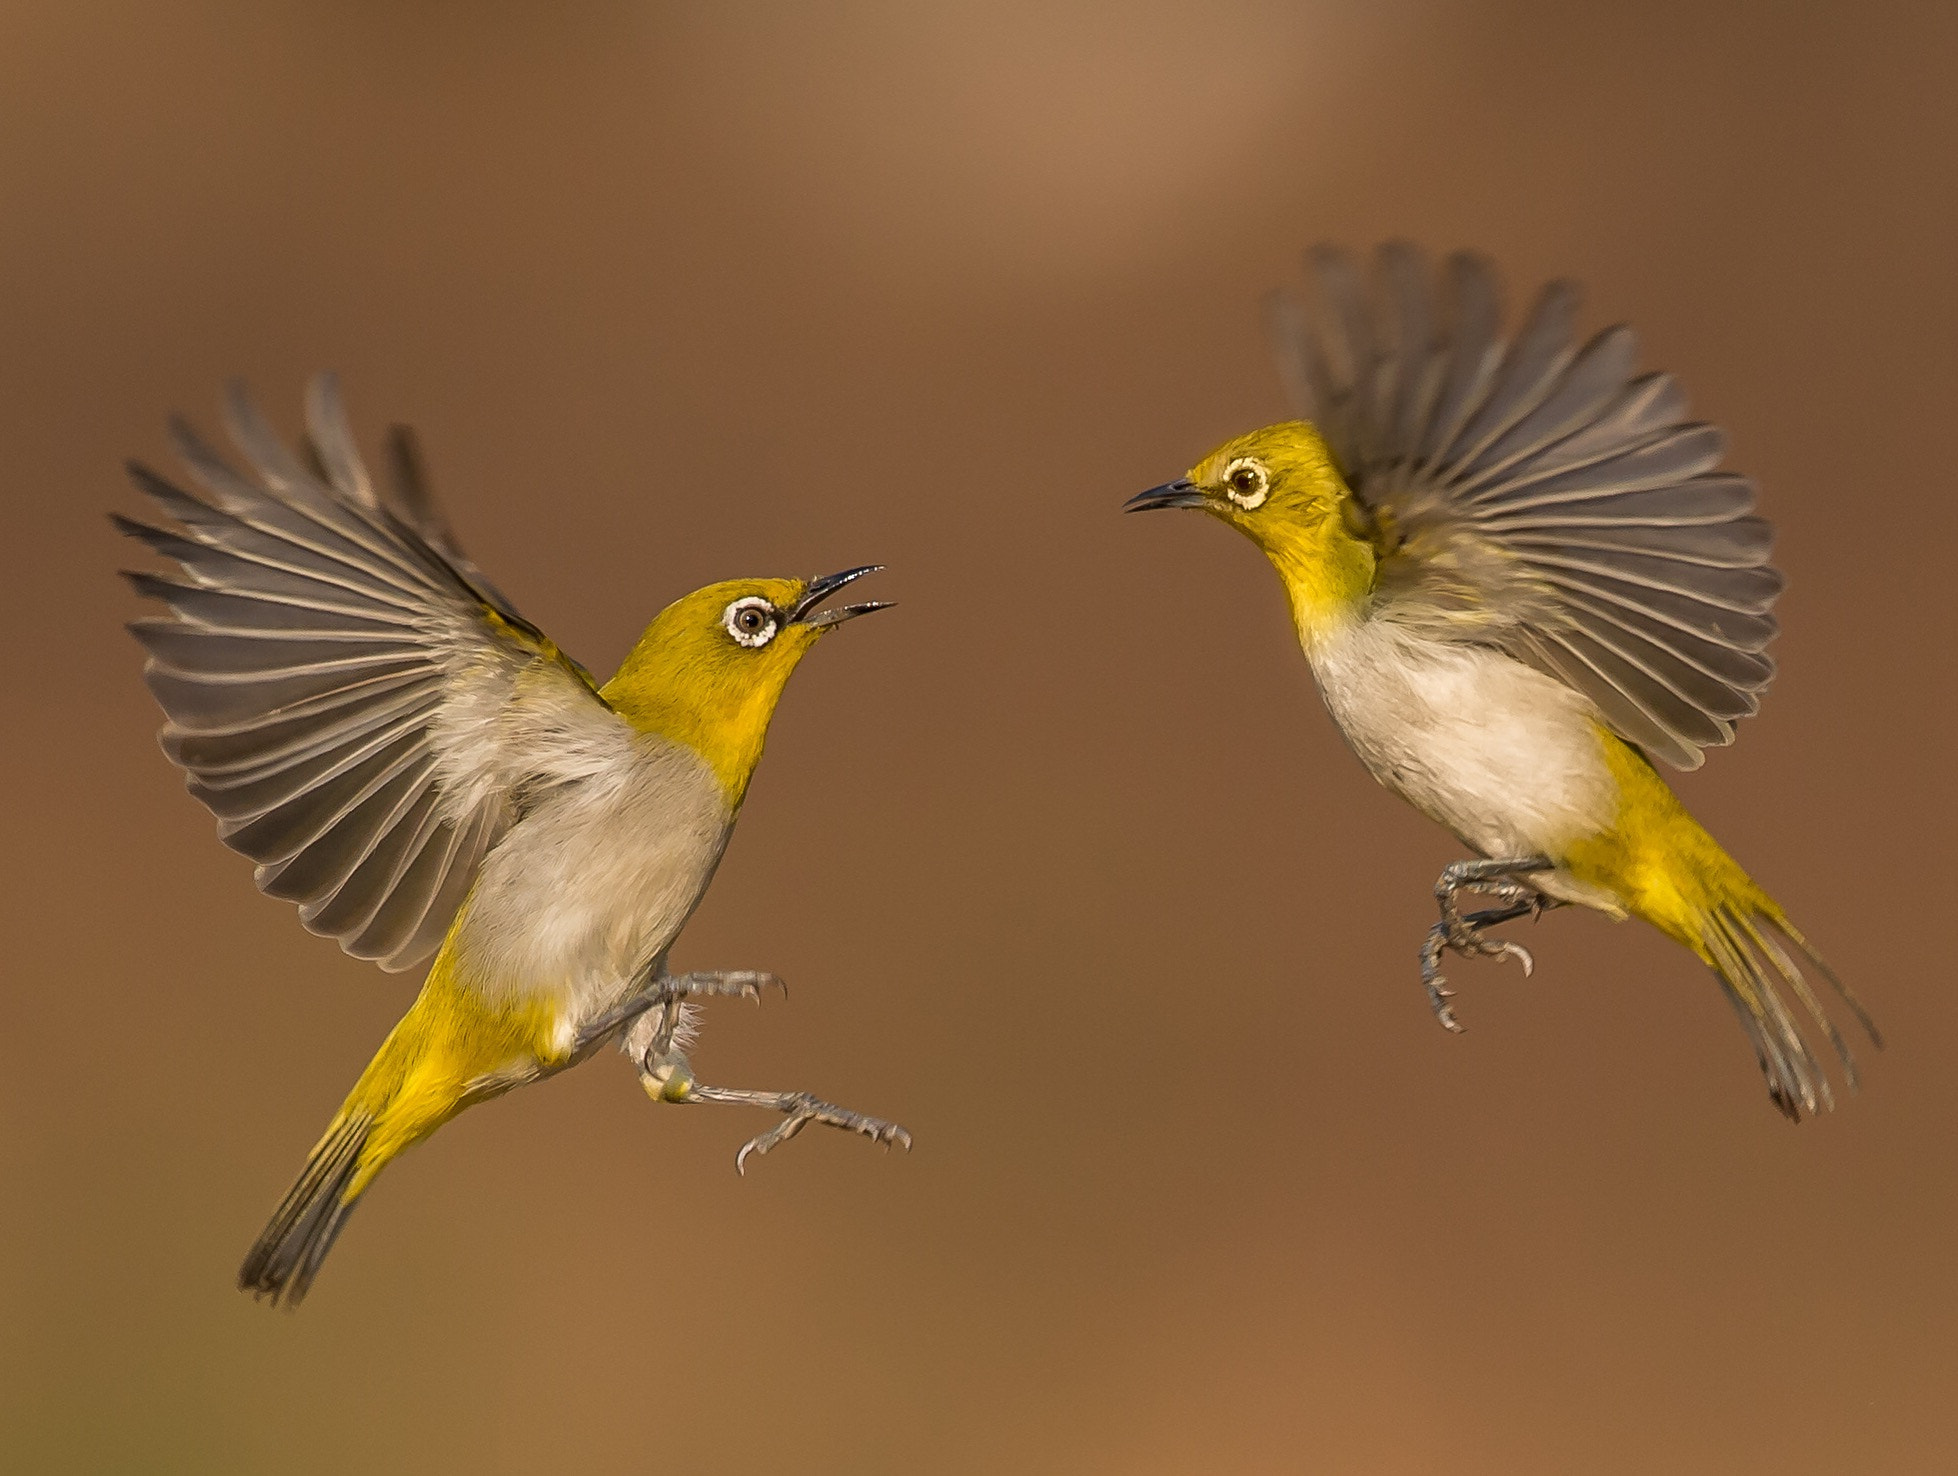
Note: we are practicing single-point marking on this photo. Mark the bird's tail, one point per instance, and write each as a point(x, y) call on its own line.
point(287, 1255)
point(1742, 936)
point(1665, 868)
point(406, 1092)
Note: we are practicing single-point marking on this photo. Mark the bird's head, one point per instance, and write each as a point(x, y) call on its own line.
point(1280, 488)
point(711, 667)
point(1266, 484)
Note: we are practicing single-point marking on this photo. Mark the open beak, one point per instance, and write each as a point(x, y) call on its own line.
point(820, 589)
point(1180, 493)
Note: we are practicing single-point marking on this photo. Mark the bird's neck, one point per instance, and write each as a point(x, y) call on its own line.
point(1327, 572)
point(726, 724)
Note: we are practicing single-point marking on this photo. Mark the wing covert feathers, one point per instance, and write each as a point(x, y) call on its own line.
point(337, 680)
point(1538, 492)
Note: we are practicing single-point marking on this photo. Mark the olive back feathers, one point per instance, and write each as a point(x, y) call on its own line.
point(1538, 492)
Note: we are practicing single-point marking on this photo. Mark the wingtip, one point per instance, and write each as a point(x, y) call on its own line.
point(146, 477)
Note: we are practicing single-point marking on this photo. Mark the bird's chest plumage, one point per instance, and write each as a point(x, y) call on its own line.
point(595, 882)
point(1506, 757)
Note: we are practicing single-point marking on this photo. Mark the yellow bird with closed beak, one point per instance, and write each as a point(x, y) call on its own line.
point(423, 771)
point(1519, 580)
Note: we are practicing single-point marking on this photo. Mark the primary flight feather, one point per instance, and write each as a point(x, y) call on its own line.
point(424, 772)
point(1519, 579)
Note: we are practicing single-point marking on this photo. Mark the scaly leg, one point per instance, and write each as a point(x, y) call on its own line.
point(664, 995)
point(1464, 933)
point(667, 1076)
point(798, 1110)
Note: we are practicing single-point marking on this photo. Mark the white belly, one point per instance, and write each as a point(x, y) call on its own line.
point(595, 882)
point(1506, 757)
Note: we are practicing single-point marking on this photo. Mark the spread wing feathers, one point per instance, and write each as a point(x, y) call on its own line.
point(1539, 492)
point(339, 682)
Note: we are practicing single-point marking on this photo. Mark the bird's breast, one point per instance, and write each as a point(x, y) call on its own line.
point(1506, 757)
point(595, 882)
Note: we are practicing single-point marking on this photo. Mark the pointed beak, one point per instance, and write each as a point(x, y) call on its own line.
point(822, 588)
point(1180, 493)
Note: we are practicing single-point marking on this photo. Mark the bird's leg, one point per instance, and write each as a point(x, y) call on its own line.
point(798, 1110)
point(1464, 933)
point(663, 995)
point(659, 1021)
point(717, 984)
point(668, 1077)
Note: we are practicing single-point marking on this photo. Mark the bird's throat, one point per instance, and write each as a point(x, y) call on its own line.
point(1327, 572)
point(725, 725)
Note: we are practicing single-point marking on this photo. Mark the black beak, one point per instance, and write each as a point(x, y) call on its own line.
point(1180, 493)
point(822, 588)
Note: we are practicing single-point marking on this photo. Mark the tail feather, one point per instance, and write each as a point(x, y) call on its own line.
point(1764, 943)
point(1795, 1080)
point(282, 1264)
point(1843, 991)
point(1738, 942)
point(1664, 867)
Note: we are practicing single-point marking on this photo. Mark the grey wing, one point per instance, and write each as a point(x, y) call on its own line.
point(337, 682)
point(1544, 482)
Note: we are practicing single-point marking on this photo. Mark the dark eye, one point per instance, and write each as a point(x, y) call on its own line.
point(1246, 482)
point(752, 622)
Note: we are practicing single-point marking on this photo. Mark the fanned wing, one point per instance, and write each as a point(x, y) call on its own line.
point(341, 684)
point(1538, 492)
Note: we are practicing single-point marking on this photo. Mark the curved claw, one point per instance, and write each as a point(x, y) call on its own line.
point(1465, 933)
point(751, 985)
point(754, 987)
point(722, 984)
point(753, 1146)
point(1438, 996)
point(873, 1128)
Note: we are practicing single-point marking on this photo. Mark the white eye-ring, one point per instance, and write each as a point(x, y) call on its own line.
point(751, 621)
point(1246, 482)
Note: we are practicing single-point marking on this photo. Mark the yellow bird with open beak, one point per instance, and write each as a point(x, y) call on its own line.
point(423, 771)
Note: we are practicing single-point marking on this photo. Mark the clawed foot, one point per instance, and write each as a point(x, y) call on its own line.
point(800, 1110)
point(657, 1040)
point(651, 1018)
point(726, 984)
point(1466, 934)
point(670, 1079)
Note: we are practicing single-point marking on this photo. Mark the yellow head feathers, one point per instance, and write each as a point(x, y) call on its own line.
point(711, 667)
point(1279, 487)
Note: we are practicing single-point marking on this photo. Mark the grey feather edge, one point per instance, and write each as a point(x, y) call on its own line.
point(302, 720)
point(1654, 583)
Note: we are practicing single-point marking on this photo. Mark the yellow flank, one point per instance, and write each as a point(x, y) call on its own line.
point(1659, 859)
point(451, 1039)
point(706, 676)
point(1391, 611)
point(685, 680)
point(1326, 548)
point(1317, 541)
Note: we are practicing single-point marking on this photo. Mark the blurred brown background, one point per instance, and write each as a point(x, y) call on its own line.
point(1065, 862)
